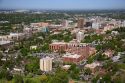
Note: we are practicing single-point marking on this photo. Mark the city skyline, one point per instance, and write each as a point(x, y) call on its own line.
point(62, 4)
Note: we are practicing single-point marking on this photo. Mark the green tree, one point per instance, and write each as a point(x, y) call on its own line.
point(24, 51)
point(43, 79)
point(33, 65)
point(60, 77)
point(87, 71)
point(106, 78)
point(18, 79)
point(29, 81)
point(1, 56)
point(9, 76)
point(3, 73)
point(74, 71)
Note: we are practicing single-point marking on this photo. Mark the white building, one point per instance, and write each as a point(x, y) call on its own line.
point(33, 47)
point(4, 42)
point(17, 36)
point(46, 64)
point(65, 23)
point(92, 65)
point(95, 25)
point(80, 36)
point(123, 23)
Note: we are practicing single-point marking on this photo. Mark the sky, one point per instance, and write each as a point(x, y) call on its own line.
point(62, 4)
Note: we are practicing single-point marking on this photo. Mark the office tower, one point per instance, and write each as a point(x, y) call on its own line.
point(80, 23)
point(46, 64)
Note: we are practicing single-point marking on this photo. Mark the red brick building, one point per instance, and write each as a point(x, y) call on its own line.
point(58, 46)
point(75, 52)
point(72, 58)
point(79, 48)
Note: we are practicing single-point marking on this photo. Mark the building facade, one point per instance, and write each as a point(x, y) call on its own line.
point(46, 64)
point(58, 46)
point(79, 36)
point(72, 58)
point(80, 23)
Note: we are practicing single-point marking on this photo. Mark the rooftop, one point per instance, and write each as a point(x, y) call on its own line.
point(58, 43)
point(93, 65)
point(4, 42)
point(69, 55)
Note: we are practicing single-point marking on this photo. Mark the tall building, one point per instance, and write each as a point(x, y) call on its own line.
point(123, 23)
point(65, 23)
point(80, 23)
point(79, 36)
point(46, 64)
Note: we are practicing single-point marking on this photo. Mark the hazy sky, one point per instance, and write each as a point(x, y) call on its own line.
point(62, 4)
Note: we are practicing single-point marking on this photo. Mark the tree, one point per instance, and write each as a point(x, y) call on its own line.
point(95, 79)
point(100, 57)
point(9, 76)
point(1, 58)
point(43, 79)
point(74, 72)
point(87, 71)
point(106, 78)
point(119, 78)
point(18, 79)
point(60, 77)
point(28, 81)
point(24, 51)
point(33, 65)
point(45, 47)
point(3, 73)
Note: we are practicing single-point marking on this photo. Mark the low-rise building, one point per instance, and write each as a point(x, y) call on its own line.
point(58, 46)
point(109, 53)
point(39, 24)
point(6, 44)
point(93, 66)
point(66, 67)
point(33, 47)
point(72, 58)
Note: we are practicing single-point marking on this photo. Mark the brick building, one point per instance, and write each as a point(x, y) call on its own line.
point(79, 48)
point(72, 58)
point(58, 46)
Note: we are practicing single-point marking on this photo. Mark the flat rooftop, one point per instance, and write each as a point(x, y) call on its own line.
point(93, 65)
point(4, 42)
point(69, 55)
point(59, 43)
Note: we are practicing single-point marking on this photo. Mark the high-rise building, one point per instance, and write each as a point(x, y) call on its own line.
point(65, 23)
point(46, 64)
point(80, 23)
point(123, 23)
point(79, 36)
